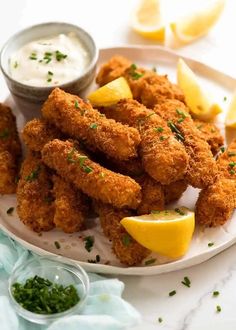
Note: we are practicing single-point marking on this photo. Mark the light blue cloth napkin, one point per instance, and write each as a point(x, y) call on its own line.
point(104, 310)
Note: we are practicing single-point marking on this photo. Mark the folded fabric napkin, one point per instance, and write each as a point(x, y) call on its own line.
point(104, 310)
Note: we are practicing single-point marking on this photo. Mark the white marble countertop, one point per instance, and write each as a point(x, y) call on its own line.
point(191, 308)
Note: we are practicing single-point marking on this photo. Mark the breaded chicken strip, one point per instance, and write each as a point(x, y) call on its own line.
point(35, 201)
point(202, 169)
point(216, 203)
point(79, 120)
point(70, 206)
point(152, 195)
point(8, 176)
point(93, 179)
point(127, 250)
point(163, 157)
point(38, 132)
point(10, 151)
point(174, 191)
point(211, 134)
point(147, 87)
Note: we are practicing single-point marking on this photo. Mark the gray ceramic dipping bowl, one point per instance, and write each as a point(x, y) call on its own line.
point(31, 97)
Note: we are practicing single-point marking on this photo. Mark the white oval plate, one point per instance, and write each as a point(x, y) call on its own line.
point(72, 245)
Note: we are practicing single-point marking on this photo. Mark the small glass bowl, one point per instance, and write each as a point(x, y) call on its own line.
point(53, 269)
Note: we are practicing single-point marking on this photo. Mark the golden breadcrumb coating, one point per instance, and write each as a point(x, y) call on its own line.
point(163, 157)
point(10, 151)
point(70, 207)
point(147, 87)
point(152, 195)
point(93, 179)
point(174, 191)
point(38, 132)
point(202, 169)
point(210, 133)
point(126, 249)
point(216, 203)
point(35, 201)
point(79, 120)
point(8, 176)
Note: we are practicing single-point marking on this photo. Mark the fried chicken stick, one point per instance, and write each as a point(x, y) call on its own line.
point(211, 133)
point(127, 250)
point(216, 203)
point(38, 132)
point(93, 179)
point(35, 201)
point(152, 195)
point(147, 87)
point(10, 151)
point(202, 169)
point(70, 207)
point(79, 120)
point(163, 157)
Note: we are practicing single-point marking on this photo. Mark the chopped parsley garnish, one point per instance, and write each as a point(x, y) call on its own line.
point(33, 56)
point(57, 245)
point(163, 138)
point(79, 159)
point(97, 259)
point(87, 169)
point(41, 296)
point(232, 164)
point(60, 56)
point(49, 79)
point(175, 130)
point(182, 114)
point(126, 240)
point(159, 129)
point(210, 244)
point(89, 242)
point(135, 75)
point(70, 156)
point(160, 320)
point(177, 210)
point(4, 134)
point(33, 175)
point(150, 261)
point(93, 126)
point(76, 104)
point(50, 73)
point(10, 210)
point(222, 149)
point(218, 309)
point(154, 69)
point(47, 57)
point(186, 282)
point(172, 293)
point(225, 98)
point(215, 294)
point(231, 153)
point(15, 65)
point(231, 172)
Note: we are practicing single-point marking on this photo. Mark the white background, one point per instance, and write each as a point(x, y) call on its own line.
point(108, 21)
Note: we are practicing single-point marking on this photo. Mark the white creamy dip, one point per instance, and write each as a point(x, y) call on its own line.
point(50, 61)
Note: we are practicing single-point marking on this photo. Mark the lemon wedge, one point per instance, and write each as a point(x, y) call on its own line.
point(167, 232)
point(193, 26)
point(146, 20)
point(230, 119)
point(197, 99)
point(111, 93)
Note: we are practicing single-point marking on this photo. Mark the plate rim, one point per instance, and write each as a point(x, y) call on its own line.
point(144, 270)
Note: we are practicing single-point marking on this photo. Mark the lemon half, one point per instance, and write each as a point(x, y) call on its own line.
point(111, 93)
point(167, 232)
point(197, 99)
point(147, 21)
point(230, 119)
point(197, 24)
